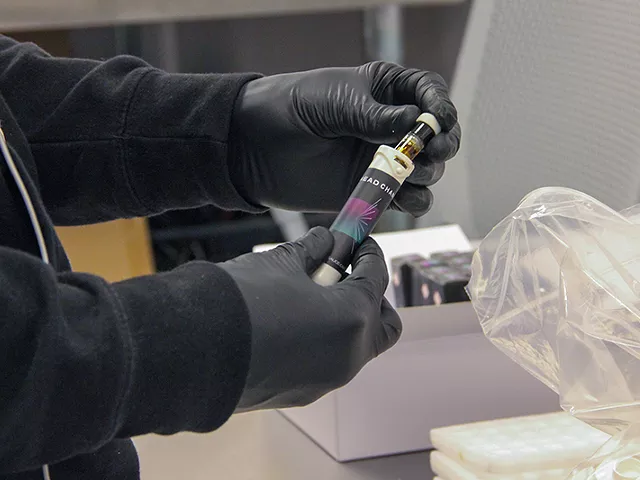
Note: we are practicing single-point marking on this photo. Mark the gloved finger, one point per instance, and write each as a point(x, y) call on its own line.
point(432, 95)
point(376, 123)
point(391, 328)
point(415, 200)
point(313, 248)
point(428, 91)
point(426, 175)
point(369, 272)
point(442, 147)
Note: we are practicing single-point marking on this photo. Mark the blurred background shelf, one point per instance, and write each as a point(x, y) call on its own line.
point(36, 14)
point(176, 242)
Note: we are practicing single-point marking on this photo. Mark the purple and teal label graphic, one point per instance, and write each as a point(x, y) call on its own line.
point(358, 217)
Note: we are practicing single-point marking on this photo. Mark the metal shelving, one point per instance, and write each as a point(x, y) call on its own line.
point(37, 14)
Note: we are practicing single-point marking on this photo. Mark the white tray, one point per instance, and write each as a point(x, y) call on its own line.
point(450, 469)
point(511, 446)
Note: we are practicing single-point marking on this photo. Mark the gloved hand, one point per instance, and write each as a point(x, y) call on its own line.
point(301, 141)
point(306, 339)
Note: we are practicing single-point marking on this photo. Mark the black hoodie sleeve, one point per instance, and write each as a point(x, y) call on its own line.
point(119, 138)
point(84, 361)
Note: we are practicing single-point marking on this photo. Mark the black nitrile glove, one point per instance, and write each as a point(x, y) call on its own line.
point(301, 141)
point(307, 339)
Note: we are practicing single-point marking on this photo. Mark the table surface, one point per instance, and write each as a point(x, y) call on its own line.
point(39, 14)
point(263, 446)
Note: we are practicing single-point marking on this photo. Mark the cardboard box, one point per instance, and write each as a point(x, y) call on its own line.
point(442, 372)
point(115, 250)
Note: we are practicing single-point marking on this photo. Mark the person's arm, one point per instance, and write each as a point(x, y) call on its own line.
point(83, 361)
point(119, 138)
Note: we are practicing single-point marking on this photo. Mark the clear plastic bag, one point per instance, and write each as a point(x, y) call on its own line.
point(556, 286)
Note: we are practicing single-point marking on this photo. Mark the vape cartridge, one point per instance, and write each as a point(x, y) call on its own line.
point(373, 194)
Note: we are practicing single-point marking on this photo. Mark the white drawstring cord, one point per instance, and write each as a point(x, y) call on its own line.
point(26, 198)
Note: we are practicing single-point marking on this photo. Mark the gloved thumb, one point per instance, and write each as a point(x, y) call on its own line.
point(370, 275)
point(369, 271)
point(376, 123)
point(314, 248)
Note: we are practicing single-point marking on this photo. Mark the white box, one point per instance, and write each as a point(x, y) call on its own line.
point(442, 372)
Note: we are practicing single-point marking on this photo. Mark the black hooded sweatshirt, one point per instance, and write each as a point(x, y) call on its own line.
point(85, 364)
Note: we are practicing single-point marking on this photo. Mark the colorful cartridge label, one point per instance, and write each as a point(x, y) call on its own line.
point(356, 221)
